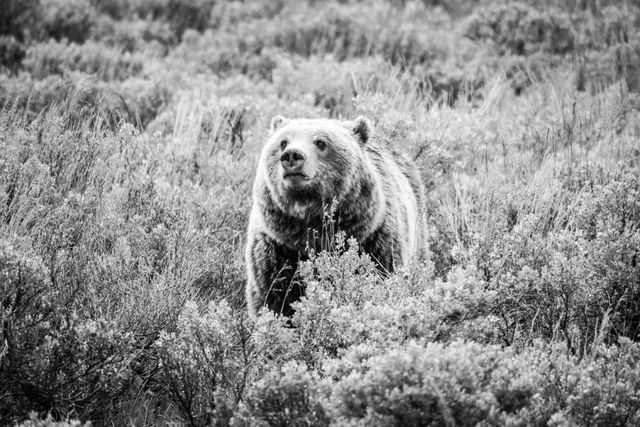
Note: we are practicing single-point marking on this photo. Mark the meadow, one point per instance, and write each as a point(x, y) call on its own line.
point(129, 137)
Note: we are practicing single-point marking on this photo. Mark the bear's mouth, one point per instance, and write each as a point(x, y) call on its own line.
point(295, 175)
point(295, 181)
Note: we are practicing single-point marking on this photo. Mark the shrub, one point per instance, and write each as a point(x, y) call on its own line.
point(205, 363)
point(72, 20)
point(35, 421)
point(521, 30)
point(346, 31)
point(288, 396)
point(18, 18)
point(347, 305)
point(180, 14)
point(601, 392)
point(627, 60)
point(92, 58)
point(11, 53)
point(115, 9)
point(433, 385)
point(33, 96)
point(123, 269)
point(130, 36)
point(466, 384)
point(213, 360)
point(227, 15)
point(223, 55)
point(572, 281)
point(144, 99)
point(53, 359)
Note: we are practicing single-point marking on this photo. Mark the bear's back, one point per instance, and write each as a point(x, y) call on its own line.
point(405, 194)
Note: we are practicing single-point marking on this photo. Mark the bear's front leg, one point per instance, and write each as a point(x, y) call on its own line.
point(271, 268)
point(382, 247)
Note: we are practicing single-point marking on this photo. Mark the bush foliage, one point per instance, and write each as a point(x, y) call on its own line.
point(129, 136)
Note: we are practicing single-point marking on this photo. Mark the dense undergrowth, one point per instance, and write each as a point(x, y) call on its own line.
point(129, 135)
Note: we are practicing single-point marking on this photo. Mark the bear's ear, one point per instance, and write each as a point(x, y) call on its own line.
point(362, 129)
point(277, 122)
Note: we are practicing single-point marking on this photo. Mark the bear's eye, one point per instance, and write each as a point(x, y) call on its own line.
point(320, 144)
point(283, 144)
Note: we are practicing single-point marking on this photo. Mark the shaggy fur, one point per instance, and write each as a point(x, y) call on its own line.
point(308, 165)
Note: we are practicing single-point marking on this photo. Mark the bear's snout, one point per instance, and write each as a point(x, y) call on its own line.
point(292, 160)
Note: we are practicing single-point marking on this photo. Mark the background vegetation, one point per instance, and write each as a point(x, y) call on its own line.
point(129, 136)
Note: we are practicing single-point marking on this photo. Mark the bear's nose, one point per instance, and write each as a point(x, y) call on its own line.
point(292, 159)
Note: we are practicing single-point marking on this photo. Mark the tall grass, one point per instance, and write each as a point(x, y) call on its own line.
point(127, 153)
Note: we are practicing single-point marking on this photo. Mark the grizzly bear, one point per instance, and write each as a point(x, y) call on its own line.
point(309, 164)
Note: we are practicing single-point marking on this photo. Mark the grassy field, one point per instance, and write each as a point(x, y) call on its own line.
point(129, 136)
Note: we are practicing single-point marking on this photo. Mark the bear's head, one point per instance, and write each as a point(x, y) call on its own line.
point(309, 163)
